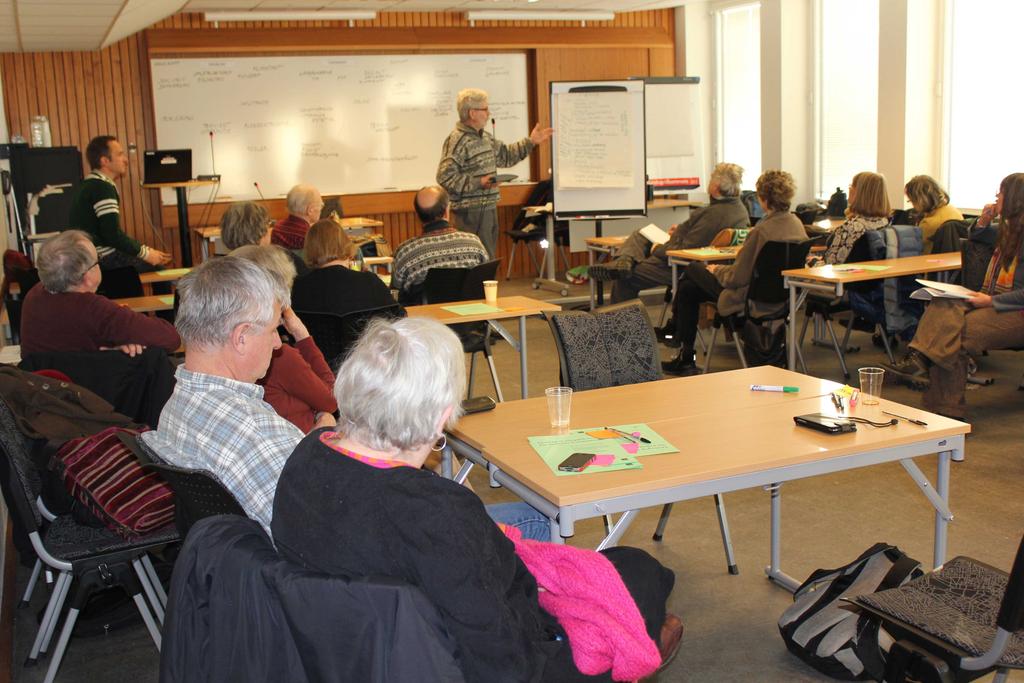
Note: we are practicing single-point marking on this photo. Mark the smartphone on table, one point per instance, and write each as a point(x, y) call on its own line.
point(577, 462)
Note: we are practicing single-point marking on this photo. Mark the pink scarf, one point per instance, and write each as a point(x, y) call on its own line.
point(585, 593)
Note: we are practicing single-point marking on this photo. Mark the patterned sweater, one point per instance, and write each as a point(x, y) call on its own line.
point(95, 208)
point(440, 246)
point(844, 237)
point(468, 154)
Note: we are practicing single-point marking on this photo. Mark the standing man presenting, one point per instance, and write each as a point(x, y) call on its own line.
point(96, 209)
point(469, 159)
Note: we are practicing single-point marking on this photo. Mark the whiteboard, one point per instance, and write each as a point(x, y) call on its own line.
point(598, 162)
point(675, 138)
point(344, 124)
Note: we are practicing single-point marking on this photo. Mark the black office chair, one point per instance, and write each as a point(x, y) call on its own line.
point(826, 308)
point(955, 624)
point(120, 283)
point(614, 346)
point(767, 288)
point(444, 285)
point(84, 557)
point(197, 494)
point(335, 334)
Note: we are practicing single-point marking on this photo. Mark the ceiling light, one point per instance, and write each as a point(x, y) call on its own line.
point(292, 15)
point(540, 15)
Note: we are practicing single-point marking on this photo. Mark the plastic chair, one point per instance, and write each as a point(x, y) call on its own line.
point(766, 287)
point(615, 346)
point(87, 557)
point(957, 623)
point(444, 285)
point(335, 334)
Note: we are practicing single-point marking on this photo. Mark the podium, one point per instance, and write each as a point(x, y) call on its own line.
point(183, 228)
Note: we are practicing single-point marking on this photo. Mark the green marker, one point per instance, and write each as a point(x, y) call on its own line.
point(774, 387)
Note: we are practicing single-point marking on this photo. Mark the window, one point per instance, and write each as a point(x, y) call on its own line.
point(738, 88)
point(984, 99)
point(847, 92)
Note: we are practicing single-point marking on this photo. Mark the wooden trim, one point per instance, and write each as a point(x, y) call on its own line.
point(312, 40)
point(10, 600)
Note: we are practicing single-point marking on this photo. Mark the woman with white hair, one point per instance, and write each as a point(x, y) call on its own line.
point(357, 502)
point(298, 382)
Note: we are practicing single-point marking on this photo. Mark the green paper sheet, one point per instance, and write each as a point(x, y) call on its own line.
point(472, 309)
point(174, 272)
point(555, 448)
point(167, 300)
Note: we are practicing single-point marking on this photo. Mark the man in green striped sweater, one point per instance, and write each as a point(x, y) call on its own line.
point(96, 209)
point(469, 158)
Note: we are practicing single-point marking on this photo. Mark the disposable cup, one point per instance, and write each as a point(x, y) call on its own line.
point(491, 292)
point(559, 405)
point(871, 385)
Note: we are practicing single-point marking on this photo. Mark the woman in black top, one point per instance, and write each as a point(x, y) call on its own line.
point(332, 286)
point(357, 502)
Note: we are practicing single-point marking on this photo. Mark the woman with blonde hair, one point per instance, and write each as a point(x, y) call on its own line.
point(952, 332)
point(869, 209)
point(332, 286)
point(931, 206)
point(298, 382)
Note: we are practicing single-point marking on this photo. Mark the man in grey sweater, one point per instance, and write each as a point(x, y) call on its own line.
point(637, 266)
point(469, 158)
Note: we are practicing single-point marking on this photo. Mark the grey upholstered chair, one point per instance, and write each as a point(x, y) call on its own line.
point(614, 346)
point(957, 623)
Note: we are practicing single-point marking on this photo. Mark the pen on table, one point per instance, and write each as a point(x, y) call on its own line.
point(774, 387)
point(837, 402)
point(853, 397)
point(628, 436)
point(908, 419)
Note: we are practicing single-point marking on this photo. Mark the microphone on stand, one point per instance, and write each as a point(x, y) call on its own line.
point(492, 130)
point(258, 190)
point(213, 164)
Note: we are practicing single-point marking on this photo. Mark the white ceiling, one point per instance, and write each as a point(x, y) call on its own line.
point(44, 25)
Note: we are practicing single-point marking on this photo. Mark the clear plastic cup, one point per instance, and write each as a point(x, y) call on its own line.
point(559, 406)
point(871, 385)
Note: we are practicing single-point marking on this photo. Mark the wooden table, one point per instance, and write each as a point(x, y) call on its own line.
point(700, 416)
point(607, 246)
point(180, 190)
point(147, 279)
point(147, 304)
point(209, 234)
point(512, 307)
point(832, 280)
point(684, 257)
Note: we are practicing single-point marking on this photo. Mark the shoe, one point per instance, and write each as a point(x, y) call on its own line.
point(668, 644)
point(912, 369)
point(612, 270)
point(682, 365)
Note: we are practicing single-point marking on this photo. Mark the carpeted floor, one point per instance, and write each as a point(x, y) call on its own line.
point(730, 620)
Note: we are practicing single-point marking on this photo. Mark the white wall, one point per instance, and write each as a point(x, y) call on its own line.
point(910, 105)
point(694, 57)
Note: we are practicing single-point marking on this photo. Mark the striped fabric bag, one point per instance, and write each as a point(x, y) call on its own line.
point(102, 474)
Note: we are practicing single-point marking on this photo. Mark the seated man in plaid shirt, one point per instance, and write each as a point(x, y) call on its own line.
point(216, 419)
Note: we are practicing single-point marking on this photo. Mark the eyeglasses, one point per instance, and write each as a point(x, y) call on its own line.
point(94, 264)
point(481, 108)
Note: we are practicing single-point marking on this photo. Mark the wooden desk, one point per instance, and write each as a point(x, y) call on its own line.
point(699, 415)
point(684, 257)
point(209, 234)
point(147, 279)
point(182, 197)
point(147, 304)
point(512, 307)
point(607, 246)
point(832, 280)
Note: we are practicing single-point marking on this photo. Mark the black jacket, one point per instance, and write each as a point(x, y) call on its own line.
point(238, 612)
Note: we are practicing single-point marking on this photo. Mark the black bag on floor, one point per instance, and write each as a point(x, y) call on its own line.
point(833, 636)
